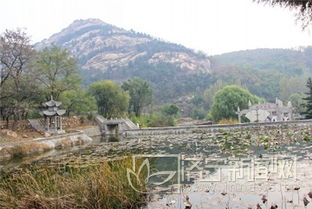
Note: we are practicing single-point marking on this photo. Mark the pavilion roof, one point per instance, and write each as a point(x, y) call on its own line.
point(52, 103)
point(53, 112)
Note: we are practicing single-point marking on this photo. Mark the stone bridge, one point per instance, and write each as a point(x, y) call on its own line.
point(114, 127)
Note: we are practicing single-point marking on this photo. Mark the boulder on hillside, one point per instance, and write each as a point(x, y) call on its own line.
point(8, 133)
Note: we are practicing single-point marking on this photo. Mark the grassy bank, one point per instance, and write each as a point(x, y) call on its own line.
point(102, 186)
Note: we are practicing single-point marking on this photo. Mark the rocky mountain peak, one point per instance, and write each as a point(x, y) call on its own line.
point(105, 51)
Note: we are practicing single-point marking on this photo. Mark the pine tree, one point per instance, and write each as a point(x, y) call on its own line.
point(308, 99)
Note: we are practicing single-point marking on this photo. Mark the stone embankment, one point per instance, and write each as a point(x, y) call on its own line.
point(237, 138)
point(41, 145)
point(201, 131)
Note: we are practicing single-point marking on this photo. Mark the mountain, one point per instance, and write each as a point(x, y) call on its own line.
point(286, 61)
point(176, 73)
point(268, 73)
point(105, 51)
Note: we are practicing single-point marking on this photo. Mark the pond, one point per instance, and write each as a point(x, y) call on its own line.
point(224, 171)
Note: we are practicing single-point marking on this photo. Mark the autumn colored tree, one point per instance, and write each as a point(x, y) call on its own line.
point(17, 85)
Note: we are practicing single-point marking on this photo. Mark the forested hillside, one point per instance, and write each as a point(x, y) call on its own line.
point(177, 74)
point(105, 51)
point(268, 73)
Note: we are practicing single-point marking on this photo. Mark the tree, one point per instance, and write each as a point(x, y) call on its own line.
point(111, 99)
point(170, 110)
point(56, 71)
point(304, 8)
point(297, 102)
point(290, 86)
point(308, 99)
point(140, 93)
point(228, 99)
point(212, 90)
point(77, 102)
point(17, 85)
point(199, 113)
point(198, 99)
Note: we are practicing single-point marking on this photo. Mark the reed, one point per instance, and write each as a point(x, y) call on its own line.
point(101, 186)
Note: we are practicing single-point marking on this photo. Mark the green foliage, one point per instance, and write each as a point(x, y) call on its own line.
point(306, 138)
point(56, 71)
point(140, 93)
point(308, 99)
point(168, 81)
point(286, 61)
point(261, 83)
point(170, 110)
point(228, 99)
point(297, 102)
point(165, 117)
point(210, 92)
point(155, 119)
point(264, 139)
point(290, 86)
point(267, 73)
point(78, 102)
point(199, 113)
point(112, 100)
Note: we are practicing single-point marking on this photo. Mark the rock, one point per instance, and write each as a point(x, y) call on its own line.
point(25, 136)
point(264, 199)
point(305, 201)
point(9, 133)
point(4, 153)
point(47, 134)
point(187, 203)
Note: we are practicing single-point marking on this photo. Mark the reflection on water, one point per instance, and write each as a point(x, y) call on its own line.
point(261, 179)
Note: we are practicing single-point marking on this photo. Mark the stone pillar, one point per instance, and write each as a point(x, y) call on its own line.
point(55, 123)
point(47, 123)
point(60, 120)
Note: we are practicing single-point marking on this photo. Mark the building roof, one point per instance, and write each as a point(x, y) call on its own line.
point(51, 103)
point(278, 105)
point(53, 112)
point(51, 108)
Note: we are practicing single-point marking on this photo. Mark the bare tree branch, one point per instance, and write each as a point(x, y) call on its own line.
point(303, 8)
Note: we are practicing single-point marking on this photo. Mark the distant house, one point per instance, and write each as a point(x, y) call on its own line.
point(267, 112)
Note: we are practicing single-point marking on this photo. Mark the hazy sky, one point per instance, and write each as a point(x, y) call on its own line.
point(212, 26)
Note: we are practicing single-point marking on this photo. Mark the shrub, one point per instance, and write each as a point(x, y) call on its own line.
point(156, 119)
point(199, 114)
